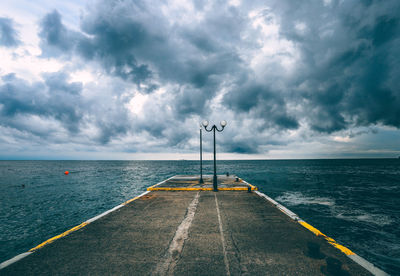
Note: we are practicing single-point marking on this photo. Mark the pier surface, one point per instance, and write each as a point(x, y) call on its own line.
point(190, 232)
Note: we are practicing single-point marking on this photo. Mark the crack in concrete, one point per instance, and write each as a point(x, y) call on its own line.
point(172, 256)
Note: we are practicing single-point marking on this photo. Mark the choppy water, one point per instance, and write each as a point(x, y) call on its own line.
point(356, 202)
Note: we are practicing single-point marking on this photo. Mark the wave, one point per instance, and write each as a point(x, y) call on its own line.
point(363, 216)
point(297, 198)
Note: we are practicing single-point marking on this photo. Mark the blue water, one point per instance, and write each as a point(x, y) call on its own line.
point(355, 202)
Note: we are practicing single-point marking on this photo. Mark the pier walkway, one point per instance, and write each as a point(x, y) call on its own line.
point(173, 231)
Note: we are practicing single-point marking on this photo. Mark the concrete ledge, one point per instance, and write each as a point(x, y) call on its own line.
point(66, 233)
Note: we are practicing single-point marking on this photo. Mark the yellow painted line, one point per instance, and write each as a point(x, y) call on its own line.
point(83, 224)
point(195, 182)
point(196, 189)
point(130, 200)
point(152, 186)
point(342, 248)
point(160, 182)
point(136, 197)
point(253, 188)
point(359, 260)
point(311, 228)
point(233, 189)
point(179, 189)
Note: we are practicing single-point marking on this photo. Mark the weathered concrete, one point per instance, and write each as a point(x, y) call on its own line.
point(179, 233)
point(191, 183)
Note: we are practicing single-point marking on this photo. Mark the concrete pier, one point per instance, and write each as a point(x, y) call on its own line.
point(173, 231)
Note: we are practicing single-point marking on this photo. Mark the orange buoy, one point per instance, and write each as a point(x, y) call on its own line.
point(66, 172)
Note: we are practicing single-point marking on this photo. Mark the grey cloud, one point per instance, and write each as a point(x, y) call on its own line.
point(56, 35)
point(109, 46)
point(54, 98)
point(242, 147)
point(384, 30)
point(350, 55)
point(262, 102)
point(134, 41)
point(8, 34)
point(189, 102)
point(59, 100)
point(346, 74)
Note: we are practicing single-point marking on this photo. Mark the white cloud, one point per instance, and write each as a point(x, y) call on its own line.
point(25, 62)
point(344, 139)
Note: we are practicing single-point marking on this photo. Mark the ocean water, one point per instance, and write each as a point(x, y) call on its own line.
point(356, 202)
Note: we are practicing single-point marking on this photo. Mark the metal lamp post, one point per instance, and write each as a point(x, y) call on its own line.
point(213, 129)
point(201, 158)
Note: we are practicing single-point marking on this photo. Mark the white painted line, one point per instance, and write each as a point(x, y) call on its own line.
point(113, 209)
point(186, 177)
point(367, 265)
point(105, 213)
point(176, 245)
point(222, 237)
point(162, 182)
point(142, 194)
point(15, 259)
point(280, 207)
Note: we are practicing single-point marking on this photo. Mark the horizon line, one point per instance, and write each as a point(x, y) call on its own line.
point(249, 159)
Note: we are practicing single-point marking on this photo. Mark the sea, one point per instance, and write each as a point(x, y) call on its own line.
point(354, 201)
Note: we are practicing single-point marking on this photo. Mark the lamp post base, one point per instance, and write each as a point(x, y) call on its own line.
point(215, 183)
point(201, 181)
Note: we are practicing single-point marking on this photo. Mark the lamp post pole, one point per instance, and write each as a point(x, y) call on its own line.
point(201, 158)
point(213, 129)
point(215, 180)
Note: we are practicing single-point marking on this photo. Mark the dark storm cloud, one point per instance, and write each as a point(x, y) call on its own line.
point(262, 102)
point(242, 147)
point(350, 54)
point(8, 35)
point(133, 40)
point(345, 72)
point(109, 45)
point(54, 98)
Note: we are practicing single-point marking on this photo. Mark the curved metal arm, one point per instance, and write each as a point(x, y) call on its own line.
point(216, 128)
point(211, 129)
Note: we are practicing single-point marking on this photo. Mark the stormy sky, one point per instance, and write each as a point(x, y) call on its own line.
point(132, 79)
